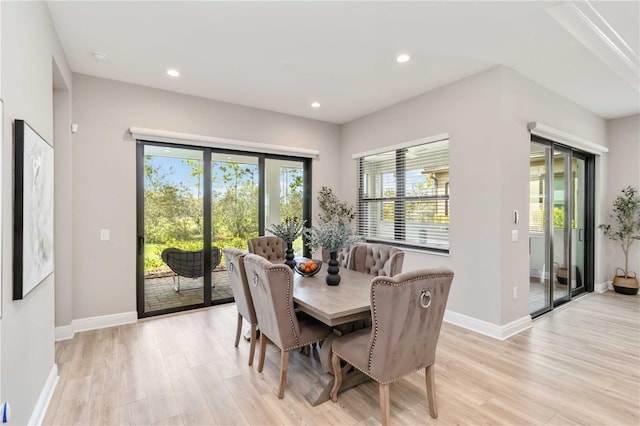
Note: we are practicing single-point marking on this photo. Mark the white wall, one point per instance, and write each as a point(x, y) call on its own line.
point(104, 272)
point(29, 45)
point(63, 198)
point(486, 116)
point(623, 135)
point(468, 110)
point(527, 101)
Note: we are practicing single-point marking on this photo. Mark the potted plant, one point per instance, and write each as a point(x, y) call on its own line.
point(289, 230)
point(625, 230)
point(331, 235)
point(332, 208)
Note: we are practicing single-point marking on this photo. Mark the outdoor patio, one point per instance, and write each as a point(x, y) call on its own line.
point(160, 292)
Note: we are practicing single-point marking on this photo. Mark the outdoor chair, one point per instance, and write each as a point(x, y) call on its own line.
point(376, 259)
point(271, 289)
point(234, 259)
point(407, 312)
point(271, 248)
point(189, 264)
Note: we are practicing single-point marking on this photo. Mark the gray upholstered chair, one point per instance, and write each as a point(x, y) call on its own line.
point(234, 259)
point(271, 289)
point(407, 312)
point(376, 259)
point(271, 248)
point(343, 256)
point(187, 263)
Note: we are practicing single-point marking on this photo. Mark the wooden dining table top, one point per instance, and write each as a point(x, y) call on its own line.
point(334, 305)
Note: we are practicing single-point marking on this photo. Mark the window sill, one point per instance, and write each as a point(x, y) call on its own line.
point(412, 249)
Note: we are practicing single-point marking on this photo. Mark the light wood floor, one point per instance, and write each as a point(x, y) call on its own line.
point(577, 365)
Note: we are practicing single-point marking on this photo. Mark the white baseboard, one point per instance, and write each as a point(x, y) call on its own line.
point(500, 332)
point(39, 411)
point(64, 333)
point(602, 287)
point(94, 323)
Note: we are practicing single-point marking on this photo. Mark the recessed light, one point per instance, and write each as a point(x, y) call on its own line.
point(315, 104)
point(403, 58)
point(173, 73)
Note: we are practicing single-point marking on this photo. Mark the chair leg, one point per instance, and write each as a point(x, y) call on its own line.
point(337, 377)
point(385, 409)
point(284, 369)
point(238, 329)
point(431, 391)
point(263, 349)
point(176, 287)
point(252, 345)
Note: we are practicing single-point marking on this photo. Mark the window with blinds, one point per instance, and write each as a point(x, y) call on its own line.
point(404, 196)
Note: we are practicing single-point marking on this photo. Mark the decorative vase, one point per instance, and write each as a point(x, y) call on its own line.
point(288, 256)
point(333, 268)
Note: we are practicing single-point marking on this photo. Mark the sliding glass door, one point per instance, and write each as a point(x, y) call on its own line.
point(284, 194)
point(560, 228)
point(192, 203)
point(172, 225)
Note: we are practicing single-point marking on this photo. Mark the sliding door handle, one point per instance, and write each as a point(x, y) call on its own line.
point(140, 243)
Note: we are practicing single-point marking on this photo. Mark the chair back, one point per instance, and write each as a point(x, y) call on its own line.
point(376, 259)
point(188, 263)
point(271, 289)
point(343, 256)
point(234, 260)
point(407, 312)
point(271, 248)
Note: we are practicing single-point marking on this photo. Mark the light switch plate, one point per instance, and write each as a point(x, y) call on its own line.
point(514, 235)
point(104, 234)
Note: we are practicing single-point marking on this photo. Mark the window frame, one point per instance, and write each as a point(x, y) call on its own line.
point(401, 199)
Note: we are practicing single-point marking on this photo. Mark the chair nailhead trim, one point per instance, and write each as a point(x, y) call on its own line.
point(289, 314)
point(304, 344)
point(377, 379)
point(375, 312)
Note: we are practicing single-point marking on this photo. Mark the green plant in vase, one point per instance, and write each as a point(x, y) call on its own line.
point(332, 235)
point(625, 230)
point(288, 230)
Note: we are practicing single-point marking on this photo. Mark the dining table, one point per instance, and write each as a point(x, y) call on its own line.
point(344, 307)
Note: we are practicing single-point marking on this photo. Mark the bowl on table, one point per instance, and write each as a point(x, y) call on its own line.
point(307, 267)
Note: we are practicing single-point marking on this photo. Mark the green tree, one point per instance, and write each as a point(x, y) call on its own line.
point(235, 200)
point(291, 198)
point(170, 210)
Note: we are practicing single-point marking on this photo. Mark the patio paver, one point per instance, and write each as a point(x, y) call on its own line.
point(160, 294)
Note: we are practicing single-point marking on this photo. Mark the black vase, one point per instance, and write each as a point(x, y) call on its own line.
point(288, 256)
point(332, 270)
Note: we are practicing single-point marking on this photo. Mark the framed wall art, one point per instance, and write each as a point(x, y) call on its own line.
point(33, 210)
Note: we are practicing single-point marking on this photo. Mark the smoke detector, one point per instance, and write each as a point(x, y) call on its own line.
point(99, 56)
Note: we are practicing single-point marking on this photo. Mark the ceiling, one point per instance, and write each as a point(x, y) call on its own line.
point(281, 56)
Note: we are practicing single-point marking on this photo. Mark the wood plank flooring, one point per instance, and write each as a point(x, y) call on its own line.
point(577, 365)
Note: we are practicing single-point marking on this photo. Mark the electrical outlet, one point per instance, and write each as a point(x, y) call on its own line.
point(514, 235)
point(515, 292)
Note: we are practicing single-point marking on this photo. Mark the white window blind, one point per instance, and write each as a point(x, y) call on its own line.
point(404, 196)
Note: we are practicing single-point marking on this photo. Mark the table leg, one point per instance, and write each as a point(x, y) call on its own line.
point(321, 390)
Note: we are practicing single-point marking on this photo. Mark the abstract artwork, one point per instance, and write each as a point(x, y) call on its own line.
point(33, 210)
